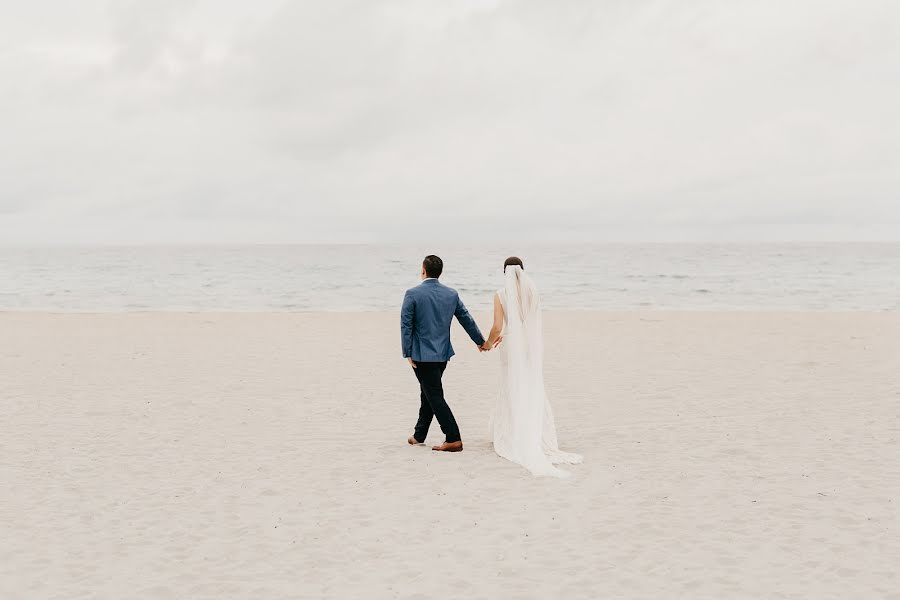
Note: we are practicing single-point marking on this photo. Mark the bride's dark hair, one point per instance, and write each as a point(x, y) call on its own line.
point(513, 260)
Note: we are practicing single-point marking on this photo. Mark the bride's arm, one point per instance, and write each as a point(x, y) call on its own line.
point(494, 338)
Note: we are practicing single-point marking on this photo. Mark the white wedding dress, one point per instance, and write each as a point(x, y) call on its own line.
point(522, 426)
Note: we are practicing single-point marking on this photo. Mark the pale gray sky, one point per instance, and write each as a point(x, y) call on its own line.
point(402, 121)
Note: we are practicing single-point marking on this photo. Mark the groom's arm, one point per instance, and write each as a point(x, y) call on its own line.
point(468, 323)
point(407, 316)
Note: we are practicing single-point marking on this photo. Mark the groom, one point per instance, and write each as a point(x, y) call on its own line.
point(428, 309)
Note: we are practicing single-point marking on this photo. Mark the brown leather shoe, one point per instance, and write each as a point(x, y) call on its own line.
point(412, 441)
point(448, 447)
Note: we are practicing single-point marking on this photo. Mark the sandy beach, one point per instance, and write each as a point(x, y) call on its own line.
point(212, 455)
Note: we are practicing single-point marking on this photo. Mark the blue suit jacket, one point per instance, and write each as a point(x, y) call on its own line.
point(428, 309)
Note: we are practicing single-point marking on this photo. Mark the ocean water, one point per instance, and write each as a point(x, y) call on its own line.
point(367, 277)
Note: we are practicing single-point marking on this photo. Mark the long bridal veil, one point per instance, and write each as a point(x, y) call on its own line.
point(523, 427)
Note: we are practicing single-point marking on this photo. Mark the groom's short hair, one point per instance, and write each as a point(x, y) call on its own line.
point(433, 266)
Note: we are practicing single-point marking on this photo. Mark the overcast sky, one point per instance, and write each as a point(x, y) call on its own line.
point(466, 120)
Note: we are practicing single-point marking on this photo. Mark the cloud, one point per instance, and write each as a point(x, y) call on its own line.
point(352, 120)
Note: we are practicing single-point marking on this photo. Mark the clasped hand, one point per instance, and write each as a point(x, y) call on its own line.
point(487, 347)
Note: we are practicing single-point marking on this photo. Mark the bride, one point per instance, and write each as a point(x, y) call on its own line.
point(522, 426)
